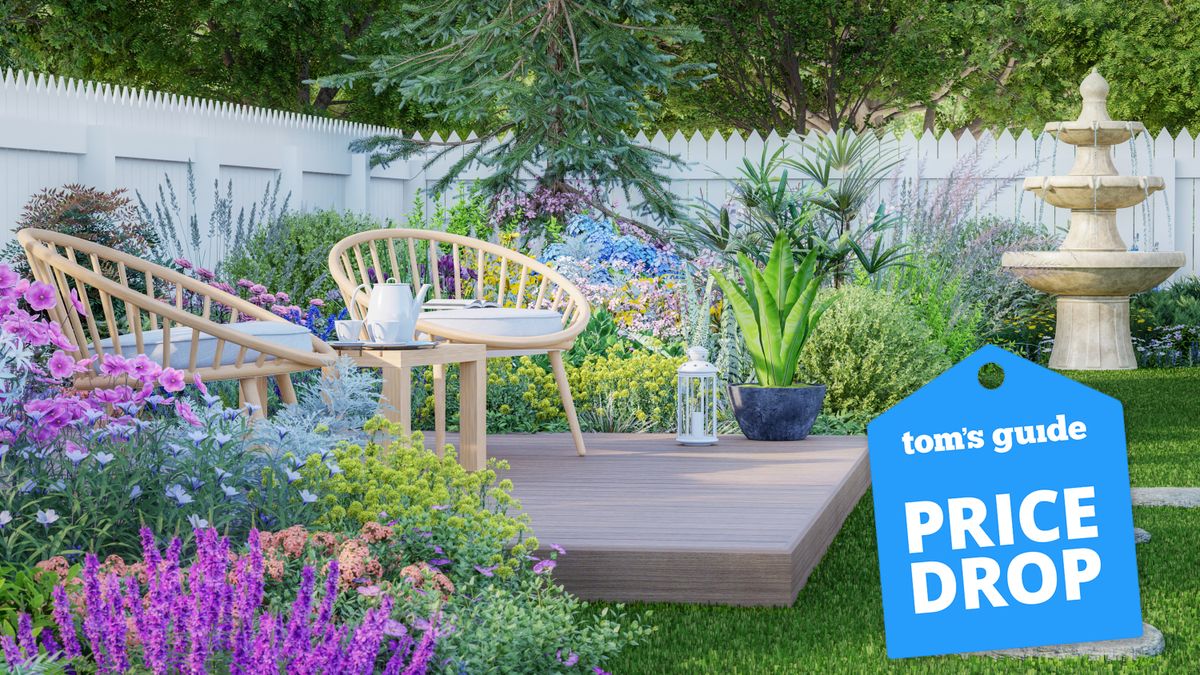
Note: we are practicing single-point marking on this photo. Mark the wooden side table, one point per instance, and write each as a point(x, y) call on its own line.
point(397, 365)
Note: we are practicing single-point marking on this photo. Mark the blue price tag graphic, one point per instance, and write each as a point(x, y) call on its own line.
point(1003, 515)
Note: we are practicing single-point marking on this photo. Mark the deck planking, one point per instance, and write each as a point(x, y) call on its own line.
point(645, 519)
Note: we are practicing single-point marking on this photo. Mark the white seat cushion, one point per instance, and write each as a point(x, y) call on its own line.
point(282, 333)
point(502, 321)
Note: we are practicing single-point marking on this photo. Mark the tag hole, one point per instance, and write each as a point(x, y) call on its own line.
point(991, 375)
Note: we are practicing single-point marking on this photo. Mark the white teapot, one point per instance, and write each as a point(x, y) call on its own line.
point(392, 311)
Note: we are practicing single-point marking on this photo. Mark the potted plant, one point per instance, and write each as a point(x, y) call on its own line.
point(777, 311)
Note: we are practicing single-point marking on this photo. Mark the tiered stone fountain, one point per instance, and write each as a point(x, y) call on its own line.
point(1093, 273)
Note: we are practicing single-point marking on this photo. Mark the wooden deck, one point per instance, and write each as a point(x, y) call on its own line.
point(643, 518)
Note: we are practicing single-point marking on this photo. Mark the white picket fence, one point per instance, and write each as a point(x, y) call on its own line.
point(55, 131)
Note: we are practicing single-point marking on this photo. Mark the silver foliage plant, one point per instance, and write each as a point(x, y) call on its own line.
point(328, 411)
point(227, 231)
point(953, 236)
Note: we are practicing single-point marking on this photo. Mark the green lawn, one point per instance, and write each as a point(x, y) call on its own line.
point(836, 625)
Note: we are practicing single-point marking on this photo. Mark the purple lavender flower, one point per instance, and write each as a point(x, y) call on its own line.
point(66, 623)
point(25, 634)
point(188, 619)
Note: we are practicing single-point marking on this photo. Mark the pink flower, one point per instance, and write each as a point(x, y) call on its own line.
point(183, 263)
point(171, 379)
point(56, 337)
point(204, 274)
point(257, 289)
point(282, 298)
point(196, 379)
point(317, 302)
point(143, 368)
point(8, 278)
point(543, 566)
point(185, 411)
point(246, 283)
point(61, 364)
point(40, 296)
point(77, 304)
point(114, 365)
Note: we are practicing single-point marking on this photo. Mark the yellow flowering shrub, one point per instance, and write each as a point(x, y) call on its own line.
point(625, 390)
point(395, 480)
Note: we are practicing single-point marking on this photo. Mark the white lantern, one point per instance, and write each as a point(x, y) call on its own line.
point(697, 400)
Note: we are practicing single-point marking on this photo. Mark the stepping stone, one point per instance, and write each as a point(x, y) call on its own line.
point(1149, 644)
point(1187, 497)
point(1140, 536)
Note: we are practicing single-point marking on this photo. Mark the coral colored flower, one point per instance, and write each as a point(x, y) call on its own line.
point(171, 379)
point(61, 365)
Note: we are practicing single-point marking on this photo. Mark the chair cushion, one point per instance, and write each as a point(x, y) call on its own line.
point(501, 321)
point(282, 333)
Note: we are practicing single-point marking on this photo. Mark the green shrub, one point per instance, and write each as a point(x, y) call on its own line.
point(454, 544)
point(292, 254)
point(871, 350)
point(1174, 305)
point(623, 391)
point(467, 513)
point(466, 215)
point(27, 590)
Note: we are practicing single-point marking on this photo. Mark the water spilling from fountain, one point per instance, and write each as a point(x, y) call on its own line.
point(1093, 272)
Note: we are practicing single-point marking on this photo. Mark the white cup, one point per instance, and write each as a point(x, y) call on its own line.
point(349, 330)
point(390, 331)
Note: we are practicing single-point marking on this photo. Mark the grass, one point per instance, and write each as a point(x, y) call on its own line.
point(836, 624)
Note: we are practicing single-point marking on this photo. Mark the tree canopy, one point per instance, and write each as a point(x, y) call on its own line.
point(256, 53)
point(554, 89)
point(779, 64)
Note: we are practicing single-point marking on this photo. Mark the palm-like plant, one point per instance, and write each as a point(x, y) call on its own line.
point(777, 310)
point(846, 169)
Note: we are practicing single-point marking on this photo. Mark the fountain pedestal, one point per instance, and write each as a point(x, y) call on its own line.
point(1093, 274)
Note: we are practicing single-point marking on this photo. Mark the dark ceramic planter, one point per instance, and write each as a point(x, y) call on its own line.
point(776, 413)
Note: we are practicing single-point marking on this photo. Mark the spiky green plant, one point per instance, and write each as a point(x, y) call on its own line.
point(777, 310)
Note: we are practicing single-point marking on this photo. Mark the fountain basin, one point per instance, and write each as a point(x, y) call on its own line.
point(1098, 193)
point(1103, 132)
point(1093, 273)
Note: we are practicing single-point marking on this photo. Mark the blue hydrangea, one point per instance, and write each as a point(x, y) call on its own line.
point(600, 242)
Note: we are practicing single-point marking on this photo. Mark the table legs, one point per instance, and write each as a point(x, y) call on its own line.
point(439, 408)
point(472, 414)
point(397, 391)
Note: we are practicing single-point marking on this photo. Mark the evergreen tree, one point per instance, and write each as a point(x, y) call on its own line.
point(554, 89)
